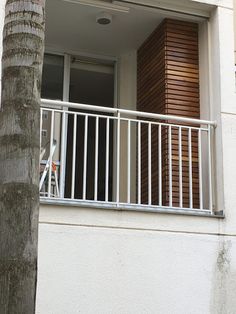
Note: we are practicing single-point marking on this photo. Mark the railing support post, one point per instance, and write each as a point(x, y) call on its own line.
point(63, 153)
point(118, 160)
point(210, 166)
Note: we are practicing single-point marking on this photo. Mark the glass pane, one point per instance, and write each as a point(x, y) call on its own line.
point(92, 83)
point(52, 79)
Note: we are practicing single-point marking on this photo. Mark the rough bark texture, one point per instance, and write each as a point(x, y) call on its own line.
point(23, 44)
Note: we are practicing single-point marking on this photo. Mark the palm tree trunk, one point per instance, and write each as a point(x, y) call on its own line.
point(23, 45)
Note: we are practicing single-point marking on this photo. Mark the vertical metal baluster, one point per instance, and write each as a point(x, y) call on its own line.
point(118, 160)
point(200, 167)
point(170, 167)
point(50, 155)
point(62, 158)
point(107, 158)
point(210, 170)
point(96, 160)
point(73, 158)
point(85, 156)
point(149, 163)
point(139, 162)
point(160, 164)
point(190, 168)
point(180, 170)
point(128, 163)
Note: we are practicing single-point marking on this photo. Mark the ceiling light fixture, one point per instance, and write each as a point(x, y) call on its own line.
point(104, 18)
point(101, 5)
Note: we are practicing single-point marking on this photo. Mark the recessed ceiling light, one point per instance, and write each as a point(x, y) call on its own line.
point(104, 18)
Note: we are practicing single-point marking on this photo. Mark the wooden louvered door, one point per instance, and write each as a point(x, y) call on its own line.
point(168, 83)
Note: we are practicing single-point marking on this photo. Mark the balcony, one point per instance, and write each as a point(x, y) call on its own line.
point(125, 122)
point(95, 156)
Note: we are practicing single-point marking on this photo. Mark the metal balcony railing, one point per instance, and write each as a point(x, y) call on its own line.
point(108, 157)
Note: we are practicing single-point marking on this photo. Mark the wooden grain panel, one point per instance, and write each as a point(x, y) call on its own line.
point(168, 83)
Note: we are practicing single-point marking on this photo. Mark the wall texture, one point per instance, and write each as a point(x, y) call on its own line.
point(116, 271)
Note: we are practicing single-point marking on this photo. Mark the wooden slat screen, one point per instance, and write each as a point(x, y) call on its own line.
point(168, 83)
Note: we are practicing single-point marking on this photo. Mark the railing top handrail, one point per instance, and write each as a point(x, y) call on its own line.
point(59, 103)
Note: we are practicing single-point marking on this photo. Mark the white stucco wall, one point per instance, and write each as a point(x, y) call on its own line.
point(119, 271)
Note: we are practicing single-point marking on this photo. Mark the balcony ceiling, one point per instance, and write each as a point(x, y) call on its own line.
point(73, 27)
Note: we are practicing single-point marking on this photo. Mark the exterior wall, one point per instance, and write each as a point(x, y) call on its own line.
point(99, 261)
point(104, 270)
point(103, 261)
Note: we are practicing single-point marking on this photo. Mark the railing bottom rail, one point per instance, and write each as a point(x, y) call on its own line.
point(128, 207)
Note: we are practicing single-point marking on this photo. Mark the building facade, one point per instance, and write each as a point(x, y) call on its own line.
point(138, 135)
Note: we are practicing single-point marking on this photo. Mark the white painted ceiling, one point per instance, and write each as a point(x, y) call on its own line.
point(73, 27)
